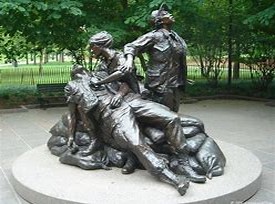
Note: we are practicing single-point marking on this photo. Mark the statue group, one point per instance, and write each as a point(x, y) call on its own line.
point(111, 123)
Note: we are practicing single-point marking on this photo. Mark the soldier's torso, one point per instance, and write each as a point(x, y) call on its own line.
point(164, 60)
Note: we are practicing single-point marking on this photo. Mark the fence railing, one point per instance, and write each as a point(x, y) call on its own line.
point(33, 76)
point(61, 74)
point(194, 72)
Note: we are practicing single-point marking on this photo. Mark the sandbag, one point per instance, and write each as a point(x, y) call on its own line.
point(194, 143)
point(211, 158)
point(97, 160)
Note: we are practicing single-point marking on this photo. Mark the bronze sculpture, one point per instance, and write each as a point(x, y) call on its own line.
point(154, 114)
point(120, 129)
point(167, 59)
point(109, 124)
point(107, 145)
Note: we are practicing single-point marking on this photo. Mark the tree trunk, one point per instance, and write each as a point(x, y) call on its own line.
point(230, 43)
point(236, 66)
point(124, 4)
point(27, 58)
point(46, 57)
point(61, 57)
point(34, 58)
point(236, 70)
point(40, 62)
point(56, 57)
point(15, 63)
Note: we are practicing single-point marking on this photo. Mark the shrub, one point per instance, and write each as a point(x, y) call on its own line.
point(13, 96)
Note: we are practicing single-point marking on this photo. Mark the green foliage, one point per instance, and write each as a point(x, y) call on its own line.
point(12, 47)
point(261, 16)
point(41, 26)
point(208, 46)
point(259, 57)
point(238, 88)
point(14, 96)
point(41, 22)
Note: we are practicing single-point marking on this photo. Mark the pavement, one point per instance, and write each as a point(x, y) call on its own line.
point(248, 124)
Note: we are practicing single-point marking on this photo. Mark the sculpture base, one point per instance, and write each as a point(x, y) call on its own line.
point(40, 178)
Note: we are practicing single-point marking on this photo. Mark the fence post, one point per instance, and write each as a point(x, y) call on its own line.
point(32, 78)
point(22, 77)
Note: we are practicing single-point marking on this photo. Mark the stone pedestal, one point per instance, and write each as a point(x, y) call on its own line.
point(40, 178)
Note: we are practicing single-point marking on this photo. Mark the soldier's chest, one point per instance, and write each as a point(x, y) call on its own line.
point(168, 46)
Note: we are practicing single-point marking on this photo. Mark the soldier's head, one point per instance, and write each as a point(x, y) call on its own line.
point(78, 71)
point(99, 42)
point(162, 17)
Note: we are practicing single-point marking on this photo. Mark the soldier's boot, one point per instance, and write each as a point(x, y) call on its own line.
point(180, 182)
point(191, 174)
point(181, 166)
point(130, 166)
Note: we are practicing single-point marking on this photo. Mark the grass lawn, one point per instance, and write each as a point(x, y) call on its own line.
point(18, 85)
point(55, 72)
point(31, 74)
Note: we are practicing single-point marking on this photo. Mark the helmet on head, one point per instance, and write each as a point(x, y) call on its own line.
point(101, 39)
point(157, 15)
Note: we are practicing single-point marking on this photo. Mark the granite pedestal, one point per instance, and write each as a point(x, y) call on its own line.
point(40, 178)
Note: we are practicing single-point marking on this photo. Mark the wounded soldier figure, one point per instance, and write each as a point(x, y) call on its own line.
point(109, 125)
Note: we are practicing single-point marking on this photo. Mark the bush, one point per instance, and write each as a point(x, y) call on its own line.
point(240, 88)
point(14, 96)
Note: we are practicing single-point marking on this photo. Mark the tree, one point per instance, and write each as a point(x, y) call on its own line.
point(12, 47)
point(204, 24)
point(59, 23)
point(261, 16)
point(258, 51)
point(43, 23)
point(208, 45)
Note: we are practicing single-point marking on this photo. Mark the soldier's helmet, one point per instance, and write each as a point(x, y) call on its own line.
point(157, 15)
point(101, 39)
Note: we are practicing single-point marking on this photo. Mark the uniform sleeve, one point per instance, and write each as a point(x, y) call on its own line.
point(101, 67)
point(70, 91)
point(120, 61)
point(140, 44)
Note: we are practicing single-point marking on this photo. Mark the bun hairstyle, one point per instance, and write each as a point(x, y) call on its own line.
point(101, 39)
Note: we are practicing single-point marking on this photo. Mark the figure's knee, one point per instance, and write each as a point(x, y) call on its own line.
point(175, 121)
point(128, 138)
point(150, 160)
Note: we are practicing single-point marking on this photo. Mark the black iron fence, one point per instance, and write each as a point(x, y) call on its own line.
point(195, 72)
point(33, 76)
point(61, 74)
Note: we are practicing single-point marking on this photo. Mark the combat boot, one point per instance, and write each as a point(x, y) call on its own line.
point(130, 166)
point(181, 166)
point(180, 182)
